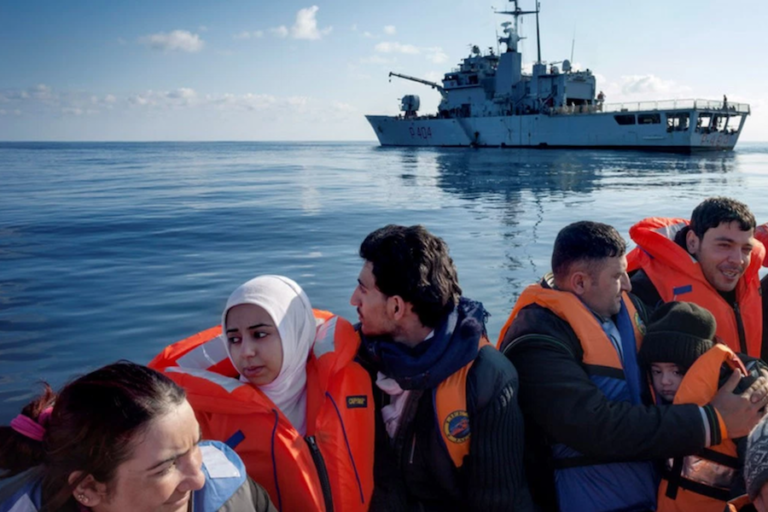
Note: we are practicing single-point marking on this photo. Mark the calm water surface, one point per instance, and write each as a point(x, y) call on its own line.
point(114, 250)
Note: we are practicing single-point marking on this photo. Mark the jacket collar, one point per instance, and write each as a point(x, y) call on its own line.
point(425, 366)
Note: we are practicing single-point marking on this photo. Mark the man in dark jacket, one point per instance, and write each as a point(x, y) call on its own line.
point(426, 346)
point(573, 339)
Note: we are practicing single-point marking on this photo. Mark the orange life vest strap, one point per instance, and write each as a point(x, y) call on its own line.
point(736, 504)
point(573, 311)
point(451, 411)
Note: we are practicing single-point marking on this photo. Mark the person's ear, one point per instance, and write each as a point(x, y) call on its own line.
point(579, 282)
point(692, 242)
point(397, 307)
point(88, 492)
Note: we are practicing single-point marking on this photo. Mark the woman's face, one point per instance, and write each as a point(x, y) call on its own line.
point(254, 343)
point(165, 468)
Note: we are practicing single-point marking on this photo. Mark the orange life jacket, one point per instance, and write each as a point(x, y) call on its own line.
point(331, 468)
point(702, 482)
point(567, 306)
point(450, 401)
point(738, 504)
point(676, 275)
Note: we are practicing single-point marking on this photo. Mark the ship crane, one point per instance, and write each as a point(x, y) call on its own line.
point(433, 85)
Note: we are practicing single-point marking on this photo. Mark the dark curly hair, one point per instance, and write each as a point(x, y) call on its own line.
point(413, 263)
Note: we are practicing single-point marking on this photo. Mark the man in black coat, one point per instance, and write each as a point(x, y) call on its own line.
point(418, 335)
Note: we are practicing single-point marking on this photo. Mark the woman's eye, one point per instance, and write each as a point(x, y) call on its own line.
point(259, 335)
point(233, 339)
point(166, 469)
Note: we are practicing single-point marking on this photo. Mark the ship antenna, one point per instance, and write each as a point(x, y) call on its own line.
point(573, 43)
point(538, 39)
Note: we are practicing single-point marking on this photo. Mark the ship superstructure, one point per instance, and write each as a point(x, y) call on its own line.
point(489, 101)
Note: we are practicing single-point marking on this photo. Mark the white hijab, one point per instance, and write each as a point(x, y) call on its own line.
point(291, 311)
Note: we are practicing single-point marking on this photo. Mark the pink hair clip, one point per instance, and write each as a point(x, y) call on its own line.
point(30, 428)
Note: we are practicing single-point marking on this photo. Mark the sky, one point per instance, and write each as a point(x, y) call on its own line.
point(140, 70)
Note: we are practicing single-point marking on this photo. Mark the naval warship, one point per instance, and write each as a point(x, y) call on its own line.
point(488, 101)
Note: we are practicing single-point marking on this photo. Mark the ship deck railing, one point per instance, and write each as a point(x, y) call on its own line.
point(650, 106)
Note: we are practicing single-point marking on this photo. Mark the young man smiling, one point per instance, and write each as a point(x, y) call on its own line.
point(448, 428)
point(713, 261)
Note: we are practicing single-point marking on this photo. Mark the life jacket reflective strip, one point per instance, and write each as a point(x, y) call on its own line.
point(702, 482)
point(340, 418)
point(451, 416)
point(676, 275)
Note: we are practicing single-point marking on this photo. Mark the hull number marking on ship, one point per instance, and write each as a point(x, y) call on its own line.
point(422, 132)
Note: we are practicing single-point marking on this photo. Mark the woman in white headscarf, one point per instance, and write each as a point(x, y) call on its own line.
point(286, 395)
point(269, 329)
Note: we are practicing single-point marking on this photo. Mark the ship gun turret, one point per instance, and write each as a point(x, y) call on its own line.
point(433, 85)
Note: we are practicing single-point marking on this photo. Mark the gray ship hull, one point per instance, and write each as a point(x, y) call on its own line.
point(594, 130)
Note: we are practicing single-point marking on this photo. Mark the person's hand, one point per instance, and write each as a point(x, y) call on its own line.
point(741, 412)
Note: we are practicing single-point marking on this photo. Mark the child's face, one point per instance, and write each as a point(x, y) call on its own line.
point(254, 343)
point(666, 379)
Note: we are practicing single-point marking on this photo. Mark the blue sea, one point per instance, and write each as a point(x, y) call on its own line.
point(114, 250)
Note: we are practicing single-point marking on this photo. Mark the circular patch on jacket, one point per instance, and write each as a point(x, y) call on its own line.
point(639, 323)
point(456, 426)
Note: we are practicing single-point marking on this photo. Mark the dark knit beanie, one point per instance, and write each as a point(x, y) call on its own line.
point(756, 460)
point(678, 332)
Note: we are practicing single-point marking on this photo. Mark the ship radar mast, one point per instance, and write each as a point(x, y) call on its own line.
point(512, 33)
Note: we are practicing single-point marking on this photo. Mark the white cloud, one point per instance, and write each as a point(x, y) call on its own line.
point(343, 107)
point(178, 98)
point(353, 28)
point(390, 30)
point(178, 40)
point(72, 111)
point(242, 102)
point(202, 28)
point(436, 55)
point(641, 88)
point(376, 59)
point(3, 112)
point(650, 84)
point(306, 25)
point(369, 35)
point(392, 47)
point(280, 31)
point(256, 34)
point(121, 41)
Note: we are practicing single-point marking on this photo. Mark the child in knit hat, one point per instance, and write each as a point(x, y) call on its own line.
point(687, 365)
point(678, 334)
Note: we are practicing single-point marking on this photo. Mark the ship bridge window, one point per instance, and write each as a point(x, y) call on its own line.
point(624, 119)
point(648, 118)
point(678, 122)
point(703, 122)
point(473, 79)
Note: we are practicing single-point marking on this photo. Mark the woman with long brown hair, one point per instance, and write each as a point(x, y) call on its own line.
point(122, 438)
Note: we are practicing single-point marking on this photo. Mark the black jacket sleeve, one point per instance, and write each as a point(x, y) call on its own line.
point(496, 479)
point(558, 396)
point(644, 289)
